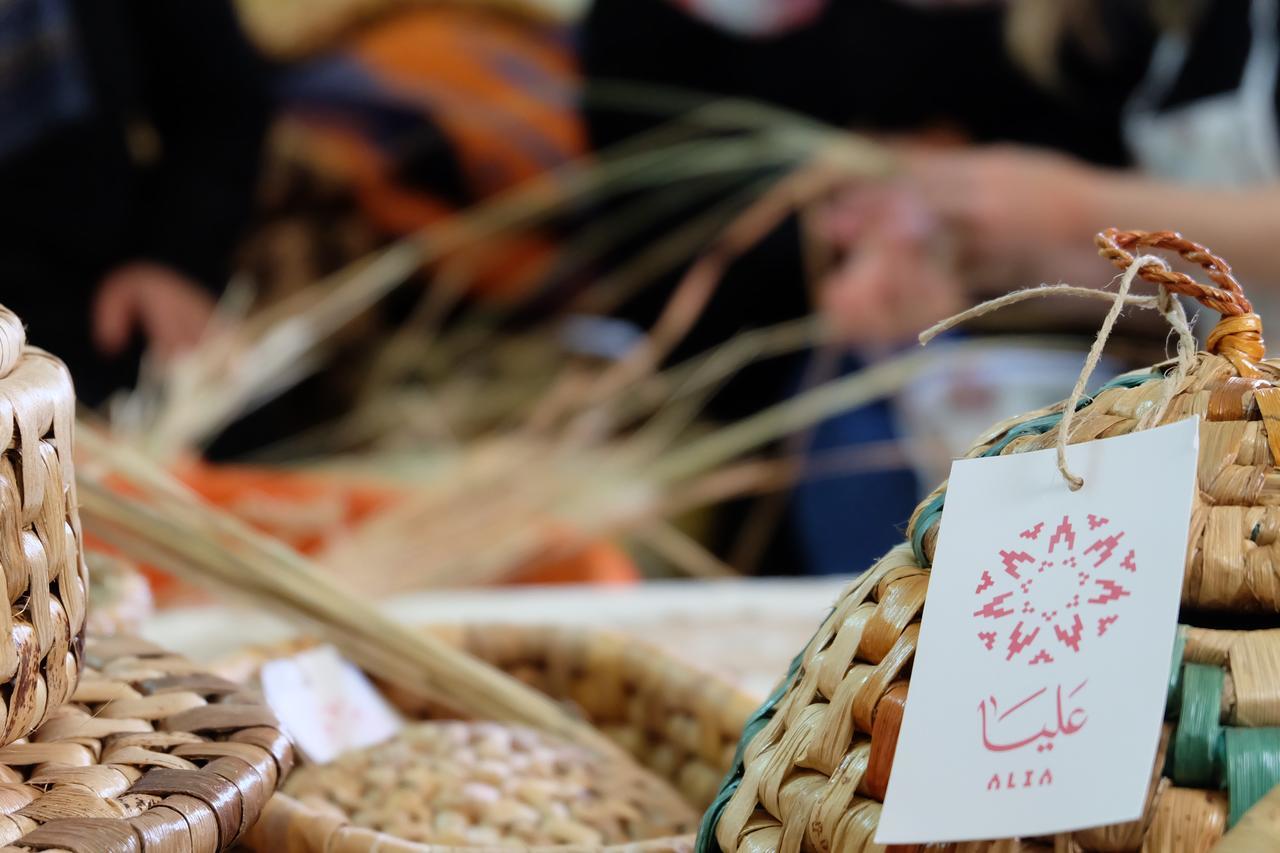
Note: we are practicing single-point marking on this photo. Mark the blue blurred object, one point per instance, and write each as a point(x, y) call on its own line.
point(43, 82)
point(845, 522)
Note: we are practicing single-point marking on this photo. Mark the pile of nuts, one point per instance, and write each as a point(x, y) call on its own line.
point(477, 784)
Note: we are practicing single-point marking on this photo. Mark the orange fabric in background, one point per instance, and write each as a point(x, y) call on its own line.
point(248, 492)
point(504, 94)
point(569, 560)
point(238, 489)
point(503, 266)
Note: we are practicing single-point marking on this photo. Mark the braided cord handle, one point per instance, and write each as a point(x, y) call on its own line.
point(1238, 335)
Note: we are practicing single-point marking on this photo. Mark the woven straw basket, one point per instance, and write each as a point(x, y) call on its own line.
point(151, 756)
point(682, 724)
point(814, 761)
point(40, 542)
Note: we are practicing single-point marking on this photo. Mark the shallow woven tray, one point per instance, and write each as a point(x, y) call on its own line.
point(40, 541)
point(152, 755)
point(817, 756)
point(679, 722)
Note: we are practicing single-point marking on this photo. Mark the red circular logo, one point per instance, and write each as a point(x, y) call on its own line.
point(1056, 589)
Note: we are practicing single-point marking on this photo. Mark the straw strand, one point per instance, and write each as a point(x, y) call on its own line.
point(1169, 307)
point(1075, 481)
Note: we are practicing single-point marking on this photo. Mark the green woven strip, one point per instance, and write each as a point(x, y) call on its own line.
point(1252, 759)
point(1132, 380)
point(706, 842)
point(932, 513)
point(1196, 740)
point(1175, 672)
point(929, 516)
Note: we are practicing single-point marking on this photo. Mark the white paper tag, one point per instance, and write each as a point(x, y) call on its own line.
point(326, 705)
point(1040, 676)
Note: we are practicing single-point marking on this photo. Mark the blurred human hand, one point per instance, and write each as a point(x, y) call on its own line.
point(959, 222)
point(169, 309)
point(1005, 204)
point(894, 279)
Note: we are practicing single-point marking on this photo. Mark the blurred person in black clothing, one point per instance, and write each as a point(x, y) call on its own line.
point(130, 133)
point(889, 67)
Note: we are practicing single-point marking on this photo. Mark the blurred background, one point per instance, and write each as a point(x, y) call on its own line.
point(453, 293)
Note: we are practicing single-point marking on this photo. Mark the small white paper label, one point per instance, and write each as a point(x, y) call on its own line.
point(1042, 666)
point(326, 705)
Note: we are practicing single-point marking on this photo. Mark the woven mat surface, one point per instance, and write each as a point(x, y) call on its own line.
point(152, 755)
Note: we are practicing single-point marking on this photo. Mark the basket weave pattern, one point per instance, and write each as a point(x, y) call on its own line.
point(43, 569)
point(152, 755)
point(815, 759)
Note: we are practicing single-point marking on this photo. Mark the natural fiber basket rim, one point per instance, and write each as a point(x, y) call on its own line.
point(287, 818)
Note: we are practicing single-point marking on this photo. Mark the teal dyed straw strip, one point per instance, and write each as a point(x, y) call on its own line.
point(1252, 762)
point(1197, 740)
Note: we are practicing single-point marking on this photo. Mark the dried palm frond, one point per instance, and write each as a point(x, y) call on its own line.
point(130, 502)
point(600, 448)
point(246, 360)
point(477, 513)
